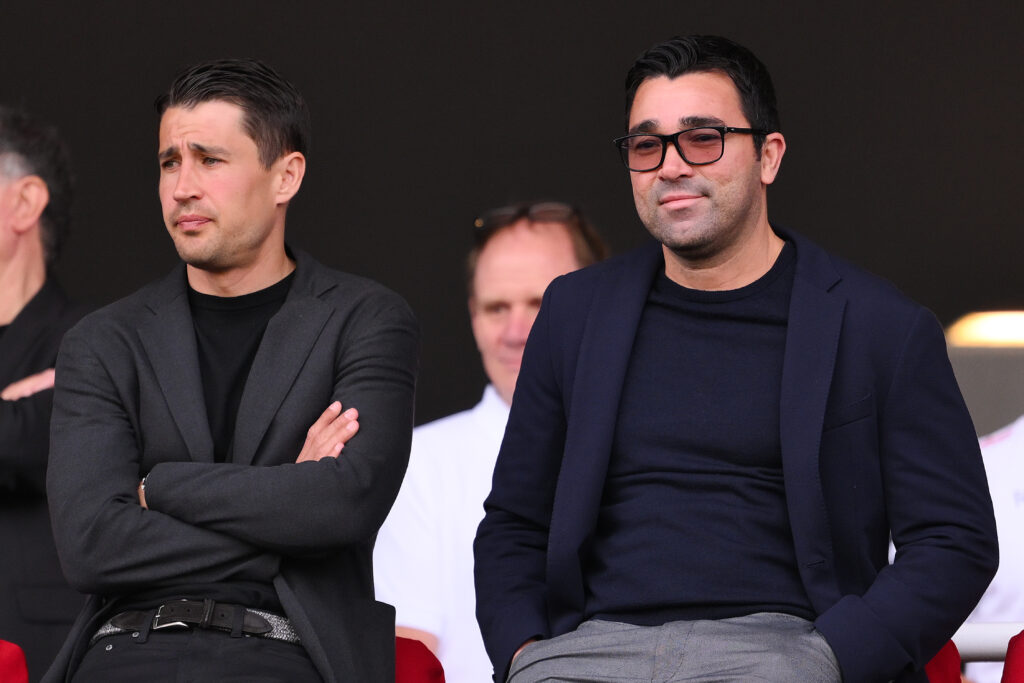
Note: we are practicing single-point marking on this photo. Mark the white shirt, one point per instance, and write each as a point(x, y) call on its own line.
point(1003, 452)
point(423, 560)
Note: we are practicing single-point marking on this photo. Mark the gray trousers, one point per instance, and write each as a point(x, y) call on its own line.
point(760, 647)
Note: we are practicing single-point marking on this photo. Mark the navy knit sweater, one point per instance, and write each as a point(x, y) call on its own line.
point(693, 521)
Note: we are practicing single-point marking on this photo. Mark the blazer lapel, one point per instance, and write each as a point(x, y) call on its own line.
point(286, 344)
point(812, 340)
point(169, 341)
point(601, 365)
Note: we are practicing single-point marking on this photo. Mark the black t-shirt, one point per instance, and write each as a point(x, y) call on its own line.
point(228, 335)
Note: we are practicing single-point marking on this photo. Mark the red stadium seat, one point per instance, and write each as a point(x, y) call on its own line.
point(415, 663)
point(1013, 667)
point(945, 666)
point(12, 663)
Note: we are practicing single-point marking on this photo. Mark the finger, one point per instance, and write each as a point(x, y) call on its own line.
point(18, 390)
point(339, 431)
point(325, 419)
point(27, 386)
point(15, 390)
point(320, 452)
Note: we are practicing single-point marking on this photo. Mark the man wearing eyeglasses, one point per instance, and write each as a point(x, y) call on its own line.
point(714, 436)
point(423, 559)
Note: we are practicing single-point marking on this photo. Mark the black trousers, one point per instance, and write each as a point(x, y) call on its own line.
point(194, 656)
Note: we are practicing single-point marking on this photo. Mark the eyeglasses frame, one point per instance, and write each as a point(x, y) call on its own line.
point(674, 139)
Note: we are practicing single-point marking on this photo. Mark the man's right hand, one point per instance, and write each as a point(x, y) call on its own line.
point(521, 648)
point(328, 435)
point(26, 386)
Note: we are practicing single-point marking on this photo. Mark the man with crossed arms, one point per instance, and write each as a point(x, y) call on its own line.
point(37, 606)
point(197, 481)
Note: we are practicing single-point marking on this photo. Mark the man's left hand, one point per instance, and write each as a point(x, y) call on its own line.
point(26, 386)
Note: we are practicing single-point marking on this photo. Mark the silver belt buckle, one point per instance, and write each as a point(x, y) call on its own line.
point(157, 624)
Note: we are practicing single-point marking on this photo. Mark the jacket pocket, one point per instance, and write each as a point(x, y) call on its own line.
point(852, 412)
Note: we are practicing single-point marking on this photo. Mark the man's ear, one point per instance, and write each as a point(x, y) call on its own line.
point(288, 172)
point(771, 156)
point(30, 197)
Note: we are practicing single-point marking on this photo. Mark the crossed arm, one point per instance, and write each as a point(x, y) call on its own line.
point(108, 544)
point(324, 439)
point(24, 423)
point(309, 508)
point(209, 522)
point(27, 386)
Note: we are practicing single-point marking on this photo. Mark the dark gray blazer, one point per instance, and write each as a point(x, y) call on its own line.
point(129, 403)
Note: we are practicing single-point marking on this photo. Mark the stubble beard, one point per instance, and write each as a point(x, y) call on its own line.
point(204, 252)
point(691, 239)
point(701, 232)
point(213, 249)
point(690, 231)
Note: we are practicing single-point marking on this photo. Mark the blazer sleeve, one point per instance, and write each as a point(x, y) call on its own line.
point(108, 543)
point(314, 507)
point(940, 515)
point(511, 544)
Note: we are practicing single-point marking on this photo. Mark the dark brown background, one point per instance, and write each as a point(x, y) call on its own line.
point(903, 122)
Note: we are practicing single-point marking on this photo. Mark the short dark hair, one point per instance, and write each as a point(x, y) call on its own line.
point(276, 116)
point(30, 148)
point(587, 244)
point(689, 54)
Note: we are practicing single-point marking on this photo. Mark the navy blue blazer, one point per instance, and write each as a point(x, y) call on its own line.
point(875, 439)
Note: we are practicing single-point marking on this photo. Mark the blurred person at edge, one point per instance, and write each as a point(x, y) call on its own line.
point(423, 560)
point(37, 607)
point(1003, 452)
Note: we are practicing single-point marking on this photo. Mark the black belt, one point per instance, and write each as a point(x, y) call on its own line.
point(238, 620)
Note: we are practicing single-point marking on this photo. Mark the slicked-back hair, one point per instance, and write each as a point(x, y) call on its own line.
point(275, 115)
point(30, 148)
point(693, 54)
point(587, 244)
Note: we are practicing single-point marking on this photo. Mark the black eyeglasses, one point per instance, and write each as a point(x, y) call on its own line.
point(536, 212)
point(697, 146)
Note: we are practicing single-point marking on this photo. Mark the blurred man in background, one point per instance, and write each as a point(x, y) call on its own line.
point(423, 560)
